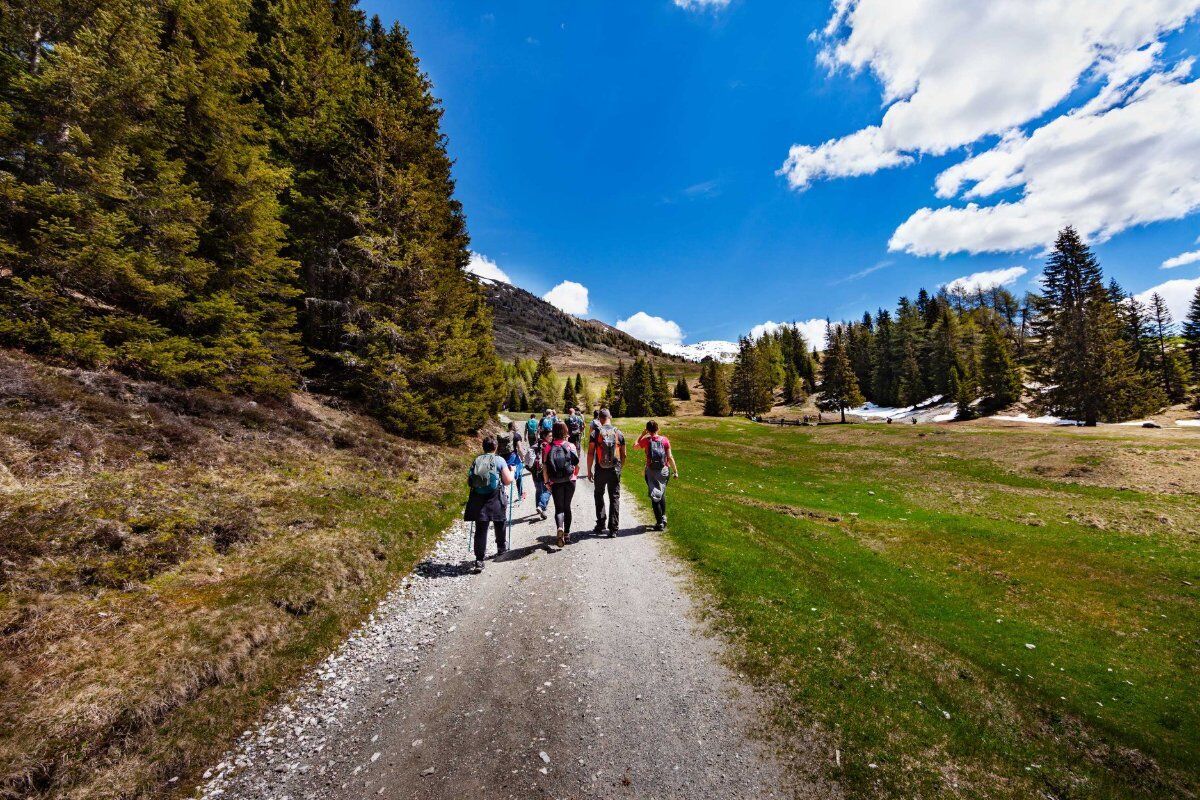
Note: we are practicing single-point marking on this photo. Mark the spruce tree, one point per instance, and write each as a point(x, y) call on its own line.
point(715, 382)
point(662, 395)
point(1000, 379)
point(1191, 334)
point(839, 386)
point(751, 388)
point(682, 390)
point(569, 399)
point(957, 390)
point(1169, 363)
point(792, 392)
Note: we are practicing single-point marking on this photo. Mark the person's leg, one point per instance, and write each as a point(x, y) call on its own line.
point(614, 500)
point(501, 543)
point(598, 494)
point(481, 529)
point(568, 496)
point(557, 491)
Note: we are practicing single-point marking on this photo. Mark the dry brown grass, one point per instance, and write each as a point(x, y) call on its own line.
point(170, 560)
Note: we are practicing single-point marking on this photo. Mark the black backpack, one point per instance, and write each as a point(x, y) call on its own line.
point(575, 424)
point(561, 461)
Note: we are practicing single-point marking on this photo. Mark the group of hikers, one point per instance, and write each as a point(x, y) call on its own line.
point(551, 451)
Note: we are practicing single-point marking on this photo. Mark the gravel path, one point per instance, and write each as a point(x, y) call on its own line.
point(579, 673)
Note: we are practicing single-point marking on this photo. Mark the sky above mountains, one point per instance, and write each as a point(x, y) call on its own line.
point(692, 169)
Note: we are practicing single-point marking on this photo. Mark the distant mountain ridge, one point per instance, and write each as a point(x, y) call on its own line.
point(526, 326)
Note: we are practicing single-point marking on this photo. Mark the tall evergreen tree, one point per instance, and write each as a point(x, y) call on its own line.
point(1191, 334)
point(569, 399)
point(682, 390)
point(839, 386)
point(1000, 379)
point(751, 388)
point(715, 382)
point(1170, 364)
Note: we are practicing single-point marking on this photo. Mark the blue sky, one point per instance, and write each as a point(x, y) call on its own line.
point(635, 148)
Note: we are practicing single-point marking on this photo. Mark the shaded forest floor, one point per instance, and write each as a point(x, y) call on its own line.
point(170, 560)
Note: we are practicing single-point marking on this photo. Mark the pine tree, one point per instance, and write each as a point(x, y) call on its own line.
point(682, 390)
point(1191, 333)
point(792, 391)
point(1085, 355)
point(1000, 379)
point(569, 399)
point(839, 386)
point(958, 391)
point(715, 382)
point(751, 387)
point(1169, 363)
point(662, 395)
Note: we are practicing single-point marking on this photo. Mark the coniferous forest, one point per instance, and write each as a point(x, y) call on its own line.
point(238, 195)
point(1086, 350)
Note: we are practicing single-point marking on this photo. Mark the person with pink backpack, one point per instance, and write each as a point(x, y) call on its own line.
point(660, 464)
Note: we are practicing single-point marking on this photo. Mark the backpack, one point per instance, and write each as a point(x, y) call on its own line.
point(504, 445)
point(561, 461)
point(484, 477)
point(531, 429)
point(547, 423)
point(607, 438)
point(656, 453)
point(575, 425)
point(530, 458)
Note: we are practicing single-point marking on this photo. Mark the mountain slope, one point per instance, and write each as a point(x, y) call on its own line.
point(526, 326)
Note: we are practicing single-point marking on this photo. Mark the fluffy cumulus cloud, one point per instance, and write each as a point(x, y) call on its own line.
point(814, 330)
point(1182, 260)
point(570, 297)
point(1178, 294)
point(651, 329)
point(956, 71)
point(988, 279)
point(487, 269)
point(701, 5)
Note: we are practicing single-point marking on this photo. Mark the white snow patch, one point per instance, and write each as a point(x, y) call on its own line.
point(1046, 419)
point(1188, 423)
point(724, 352)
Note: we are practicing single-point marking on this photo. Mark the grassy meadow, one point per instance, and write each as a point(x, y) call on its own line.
point(957, 610)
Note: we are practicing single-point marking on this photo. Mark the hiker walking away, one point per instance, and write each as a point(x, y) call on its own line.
point(489, 472)
point(606, 459)
point(575, 430)
point(660, 463)
point(560, 463)
point(548, 420)
point(516, 459)
point(531, 430)
point(541, 492)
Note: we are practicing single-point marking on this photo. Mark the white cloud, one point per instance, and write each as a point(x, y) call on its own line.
point(954, 71)
point(487, 269)
point(1104, 172)
point(1178, 294)
point(1182, 260)
point(651, 329)
point(701, 5)
point(982, 281)
point(570, 297)
point(814, 330)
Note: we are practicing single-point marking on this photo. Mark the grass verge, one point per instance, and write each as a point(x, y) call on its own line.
point(171, 561)
point(951, 620)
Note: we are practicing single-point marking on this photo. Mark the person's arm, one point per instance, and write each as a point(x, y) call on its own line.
point(577, 460)
point(621, 452)
point(671, 461)
point(506, 475)
point(591, 456)
point(642, 438)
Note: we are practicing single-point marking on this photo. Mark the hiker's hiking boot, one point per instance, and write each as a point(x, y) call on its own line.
point(542, 513)
point(562, 538)
point(477, 567)
point(599, 526)
point(612, 533)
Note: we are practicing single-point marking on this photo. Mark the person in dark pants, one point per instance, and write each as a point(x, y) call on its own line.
point(486, 505)
point(560, 467)
point(606, 459)
point(660, 463)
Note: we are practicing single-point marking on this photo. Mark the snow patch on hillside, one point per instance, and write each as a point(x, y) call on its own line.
point(725, 352)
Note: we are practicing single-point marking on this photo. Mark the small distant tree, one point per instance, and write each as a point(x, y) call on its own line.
point(578, 385)
point(662, 405)
point(714, 379)
point(839, 386)
point(1170, 364)
point(957, 389)
point(1000, 379)
point(793, 391)
point(682, 390)
point(569, 398)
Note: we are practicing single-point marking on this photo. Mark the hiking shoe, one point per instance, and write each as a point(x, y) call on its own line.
point(542, 513)
point(658, 526)
point(477, 568)
point(599, 526)
point(562, 538)
point(612, 534)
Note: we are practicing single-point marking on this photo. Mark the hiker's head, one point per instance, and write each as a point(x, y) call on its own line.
point(571, 411)
point(560, 430)
point(512, 426)
point(604, 415)
point(652, 426)
point(489, 444)
point(533, 416)
point(549, 412)
point(596, 415)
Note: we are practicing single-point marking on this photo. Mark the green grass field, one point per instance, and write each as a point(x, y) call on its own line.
point(957, 611)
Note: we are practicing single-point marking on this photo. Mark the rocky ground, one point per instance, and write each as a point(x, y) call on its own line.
point(574, 673)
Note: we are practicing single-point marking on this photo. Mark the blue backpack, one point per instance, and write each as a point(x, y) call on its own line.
point(484, 477)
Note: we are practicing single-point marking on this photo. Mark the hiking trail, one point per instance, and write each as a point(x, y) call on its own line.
point(580, 673)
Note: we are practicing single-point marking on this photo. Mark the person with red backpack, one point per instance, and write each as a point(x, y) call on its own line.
point(660, 464)
point(606, 459)
point(560, 465)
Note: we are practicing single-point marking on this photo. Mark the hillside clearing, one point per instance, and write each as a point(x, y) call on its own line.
point(962, 611)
